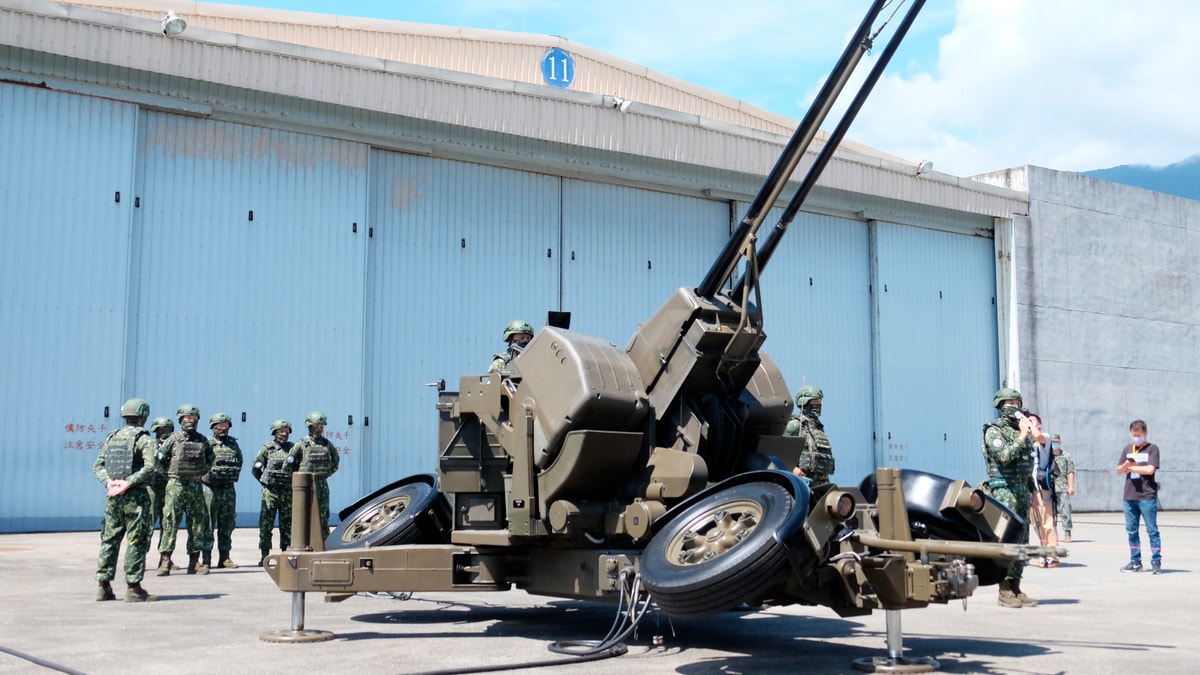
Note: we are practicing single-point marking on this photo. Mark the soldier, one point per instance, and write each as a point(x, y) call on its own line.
point(1008, 455)
point(517, 334)
point(125, 467)
point(187, 457)
point(273, 467)
point(316, 455)
point(816, 459)
point(220, 479)
point(1064, 485)
point(162, 428)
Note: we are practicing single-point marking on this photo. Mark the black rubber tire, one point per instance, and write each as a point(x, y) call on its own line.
point(736, 570)
point(391, 519)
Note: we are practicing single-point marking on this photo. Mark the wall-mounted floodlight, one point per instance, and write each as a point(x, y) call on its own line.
point(924, 167)
point(173, 25)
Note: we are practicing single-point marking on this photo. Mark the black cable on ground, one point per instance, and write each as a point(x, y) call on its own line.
point(630, 612)
point(41, 662)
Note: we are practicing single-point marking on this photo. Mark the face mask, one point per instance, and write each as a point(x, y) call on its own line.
point(519, 343)
point(281, 437)
point(220, 433)
point(1054, 446)
point(1139, 440)
point(1009, 414)
point(815, 409)
point(162, 435)
point(187, 424)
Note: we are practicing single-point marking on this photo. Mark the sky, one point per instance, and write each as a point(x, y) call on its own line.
point(976, 86)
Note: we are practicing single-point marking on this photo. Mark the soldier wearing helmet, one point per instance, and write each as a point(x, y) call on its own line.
point(187, 456)
point(816, 459)
point(1008, 455)
point(273, 468)
point(316, 455)
point(517, 334)
point(161, 427)
point(220, 479)
point(125, 466)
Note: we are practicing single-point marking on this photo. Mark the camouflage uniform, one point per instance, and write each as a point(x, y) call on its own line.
point(816, 460)
point(1009, 462)
point(220, 479)
point(503, 359)
point(129, 454)
point(188, 456)
point(162, 428)
point(1063, 466)
point(273, 467)
point(316, 455)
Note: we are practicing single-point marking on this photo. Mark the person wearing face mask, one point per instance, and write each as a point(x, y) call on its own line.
point(315, 454)
point(187, 456)
point(1063, 474)
point(220, 479)
point(1139, 464)
point(273, 468)
point(816, 459)
point(517, 334)
point(1008, 454)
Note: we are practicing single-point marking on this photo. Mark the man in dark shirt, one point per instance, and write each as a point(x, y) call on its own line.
point(1139, 464)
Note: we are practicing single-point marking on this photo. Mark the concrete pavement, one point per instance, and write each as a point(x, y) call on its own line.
point(1092, 619)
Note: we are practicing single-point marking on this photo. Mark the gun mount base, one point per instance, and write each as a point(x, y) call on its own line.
point(296, 635)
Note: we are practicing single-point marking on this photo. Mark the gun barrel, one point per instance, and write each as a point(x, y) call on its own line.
point(964, 548)
point(790, 158)
point(831, 144)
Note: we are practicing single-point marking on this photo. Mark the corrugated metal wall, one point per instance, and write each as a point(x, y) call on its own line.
point(276, 272)
point(817, 313)
point(627, 250)
point(250, 281)
point(66, 191)
point(935, 348)
point(458, 251)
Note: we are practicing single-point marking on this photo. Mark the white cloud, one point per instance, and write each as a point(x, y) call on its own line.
point(1068, 85)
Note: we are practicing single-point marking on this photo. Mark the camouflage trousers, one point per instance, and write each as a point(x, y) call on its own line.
point(1016, 498)
point(222, 509)
point(126, 517)
point(275, 500)
point(158, 497)
point(185, 498)
point(323, 504)
point(1063, 510)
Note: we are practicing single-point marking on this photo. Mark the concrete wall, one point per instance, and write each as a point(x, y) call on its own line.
point(1108, 289)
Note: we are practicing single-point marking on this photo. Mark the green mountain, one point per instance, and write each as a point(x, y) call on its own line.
point(1181, 178)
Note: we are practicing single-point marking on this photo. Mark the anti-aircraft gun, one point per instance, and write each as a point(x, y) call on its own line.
point(585, 462)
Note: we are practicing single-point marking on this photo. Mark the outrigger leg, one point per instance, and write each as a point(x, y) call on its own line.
point(304, 514)
point(895, 661)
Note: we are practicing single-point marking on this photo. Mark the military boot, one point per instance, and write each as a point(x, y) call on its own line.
point(1007, 597)
point(263, 560)
point(105, 592)
point(1067, 538)
point(1025, 600)
point(223, 561)
point(193, 560)
point(135, 593)
point(164, 564)
point(205, 563)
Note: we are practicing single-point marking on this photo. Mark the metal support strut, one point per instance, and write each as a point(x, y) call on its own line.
point(895, 661)
point(303, 514)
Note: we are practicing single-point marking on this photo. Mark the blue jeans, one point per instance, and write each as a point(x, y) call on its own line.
point(1147, 509)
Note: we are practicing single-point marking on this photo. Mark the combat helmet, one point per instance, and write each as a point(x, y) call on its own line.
point(315, 417)
point(160, 422)
point(280, 424)
point(135, 407)
point(515, 327)
point(217, 419)
point(807, 393)
point(185, 410)
point(1003, 394)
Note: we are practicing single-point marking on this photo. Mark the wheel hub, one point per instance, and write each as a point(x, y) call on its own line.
point(715, 532)
point(376, 519)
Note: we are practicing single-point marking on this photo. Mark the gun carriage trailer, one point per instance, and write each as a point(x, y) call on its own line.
point(586, 470)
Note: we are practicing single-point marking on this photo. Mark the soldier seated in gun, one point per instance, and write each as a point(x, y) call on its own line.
point(517, 334)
